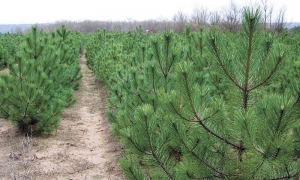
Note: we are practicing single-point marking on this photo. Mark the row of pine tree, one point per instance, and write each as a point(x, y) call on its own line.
point(203, 105)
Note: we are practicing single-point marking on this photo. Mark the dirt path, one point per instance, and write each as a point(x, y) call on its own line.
point(81, 148)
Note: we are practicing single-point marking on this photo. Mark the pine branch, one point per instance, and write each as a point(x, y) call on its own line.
point(14, 104)
point(241, 148)
point(162, 144)
point(197, 143)
point(132, 173)
point(217, 54)
point(279, 60)
point(153, 80)
point(264, 60)
point(153, 151)
point(249, 53)
point(172, 62)
point(210, 116)
point(251, 140)
point(180, 115)
point(138, 148)
point(289, 176)
point(162, 166)
point(156, 51)
point(280, 118)
point(195, 155)
point(257, 168)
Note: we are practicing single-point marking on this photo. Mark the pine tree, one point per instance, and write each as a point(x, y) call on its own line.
point(35, 91)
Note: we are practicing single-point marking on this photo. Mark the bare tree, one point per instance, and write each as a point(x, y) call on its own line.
point(164, 24)
point(264, 8)
point(270, 16)
point(200, 16)
point(215, 18)
point(180, 19)
point(279, 24)
point(267, 14)
point(232, 17)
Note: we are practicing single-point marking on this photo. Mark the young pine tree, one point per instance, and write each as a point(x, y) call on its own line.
point(32, 94)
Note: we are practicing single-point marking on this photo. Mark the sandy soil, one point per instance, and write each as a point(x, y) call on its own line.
point(81, 148)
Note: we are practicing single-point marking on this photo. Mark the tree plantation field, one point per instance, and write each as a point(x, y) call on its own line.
point(205, 104)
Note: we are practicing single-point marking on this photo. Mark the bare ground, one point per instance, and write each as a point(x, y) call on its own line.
point(81, 148)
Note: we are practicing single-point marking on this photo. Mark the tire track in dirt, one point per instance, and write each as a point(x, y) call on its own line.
point(81, 148)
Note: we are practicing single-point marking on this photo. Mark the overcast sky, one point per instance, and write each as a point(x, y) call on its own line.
point(47, 11)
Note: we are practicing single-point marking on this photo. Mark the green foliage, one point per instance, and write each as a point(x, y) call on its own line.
point(9, 44)
point(40, 82)
point(203, 105)
point(4, 56)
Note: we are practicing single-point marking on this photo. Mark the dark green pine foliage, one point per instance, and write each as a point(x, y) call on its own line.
point(35, 92)
point(216, 114)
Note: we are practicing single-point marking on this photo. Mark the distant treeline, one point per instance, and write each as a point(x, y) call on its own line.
point(227, 19)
